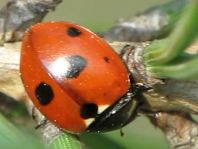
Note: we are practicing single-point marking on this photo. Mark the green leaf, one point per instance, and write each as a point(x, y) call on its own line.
point(66, 141)
point(184, 34)
point(185, 70)
point(12, 138)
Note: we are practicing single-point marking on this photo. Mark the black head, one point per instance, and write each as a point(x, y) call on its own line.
point(116, 116)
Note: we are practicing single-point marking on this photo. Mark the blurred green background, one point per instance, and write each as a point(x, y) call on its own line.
point(99, 16)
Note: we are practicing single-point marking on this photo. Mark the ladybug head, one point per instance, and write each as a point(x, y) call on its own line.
point(114, 117)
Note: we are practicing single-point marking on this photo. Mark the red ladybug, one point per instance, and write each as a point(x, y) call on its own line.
point(75, 78)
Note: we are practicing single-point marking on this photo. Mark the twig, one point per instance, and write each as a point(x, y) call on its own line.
point(180, 130)
point(154, 23)
point(168, 96)
point(165, 95)
point(17, 15)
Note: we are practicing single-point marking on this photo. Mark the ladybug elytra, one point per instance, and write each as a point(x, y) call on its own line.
point(75, 78)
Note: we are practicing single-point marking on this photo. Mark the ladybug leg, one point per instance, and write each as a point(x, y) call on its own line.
point(41, 123)
point(35, 115)
point(136, 90)
point(121, 132)
point(137, 87)
point(152, 114)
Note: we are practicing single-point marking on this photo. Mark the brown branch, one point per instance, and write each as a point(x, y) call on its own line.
point(17, 15)
point(174, 95)
point(10, 80)
point(165, 97)
point(48, 130)
point(180, 130)
point(154, 23)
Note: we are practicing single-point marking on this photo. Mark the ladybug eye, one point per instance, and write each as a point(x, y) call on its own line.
point(44, 93)
point(73, 32)
point(89, 110)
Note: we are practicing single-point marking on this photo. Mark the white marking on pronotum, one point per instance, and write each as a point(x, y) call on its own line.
point(102, 108)
point(89, 121)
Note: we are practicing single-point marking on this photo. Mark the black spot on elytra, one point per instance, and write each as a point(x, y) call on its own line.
point(44, 93)
point(77, 64)
point(106, 59)
point(73, 32)
point(89, 110)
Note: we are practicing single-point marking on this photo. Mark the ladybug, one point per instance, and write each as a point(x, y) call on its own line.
point(75, 78)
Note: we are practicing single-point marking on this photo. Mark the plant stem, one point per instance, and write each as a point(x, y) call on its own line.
point(186, 70)
point(66, 141)
point(183, 35)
